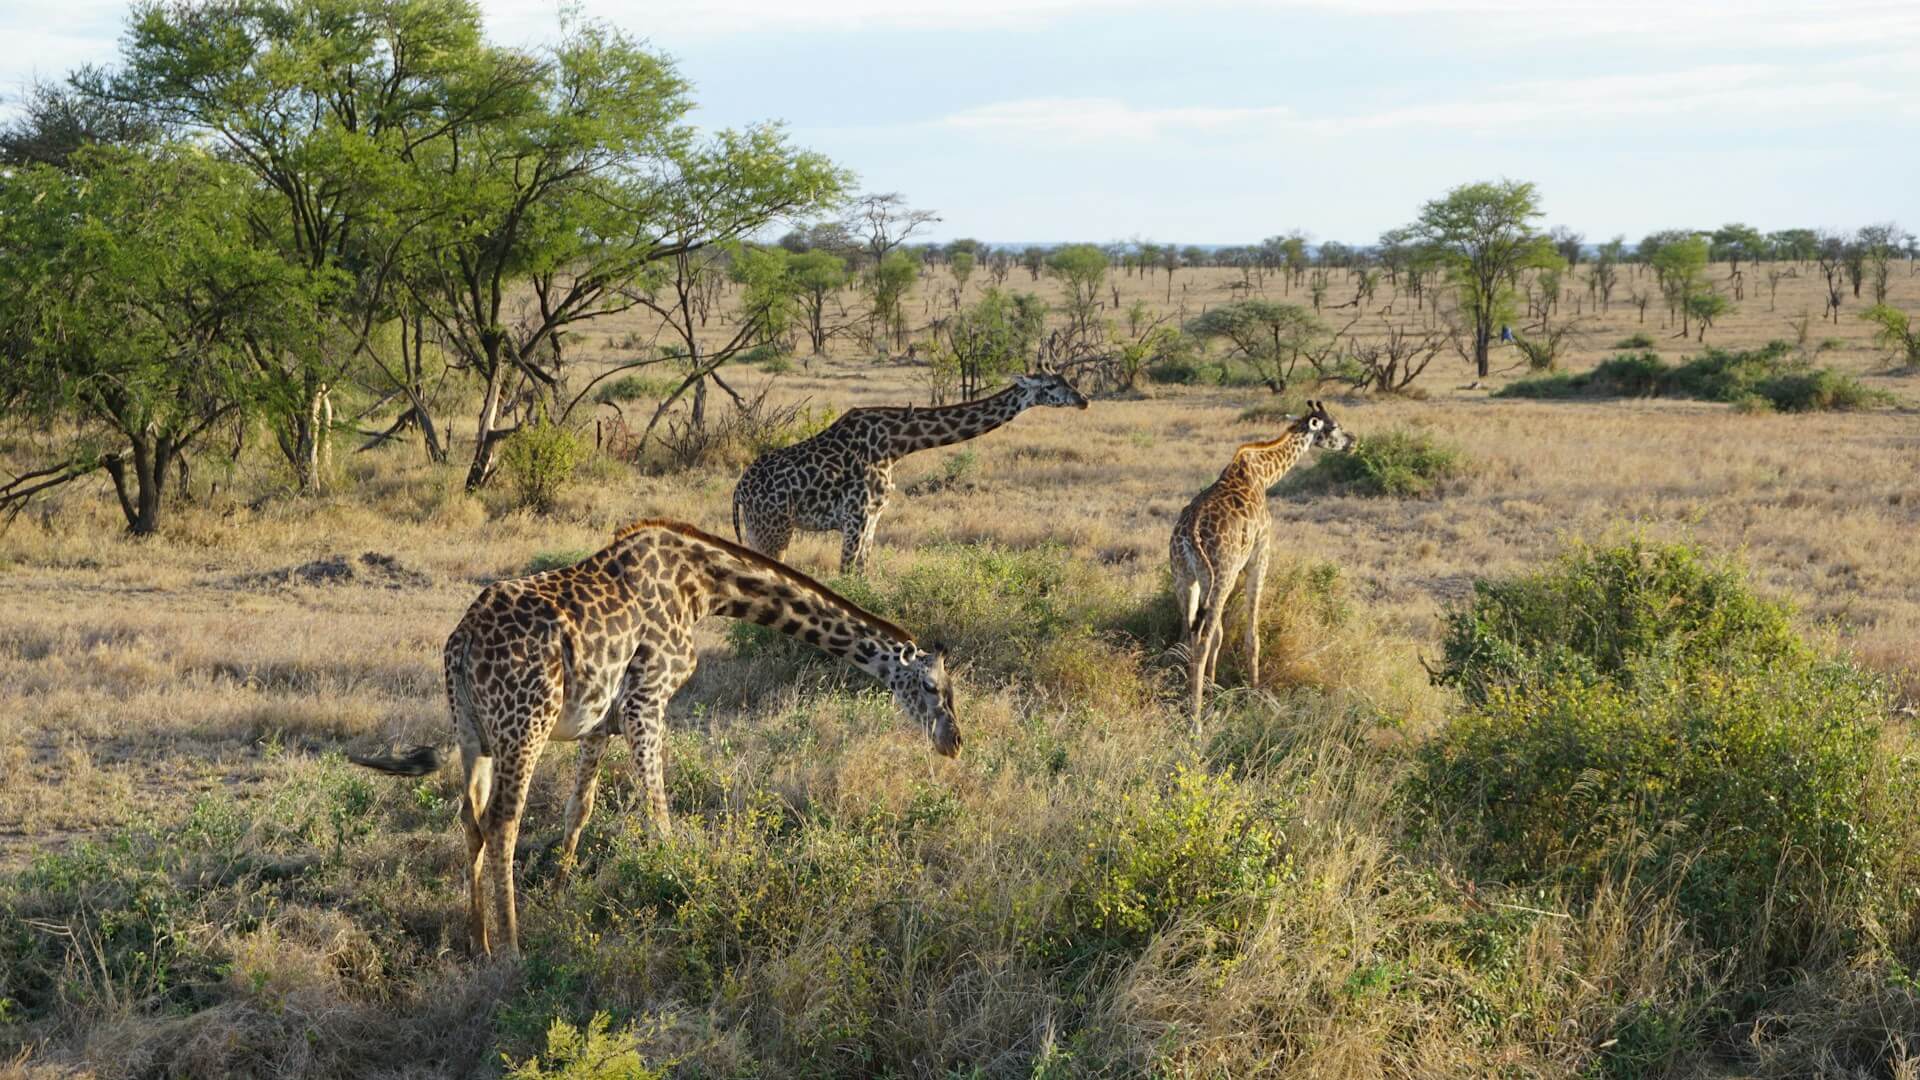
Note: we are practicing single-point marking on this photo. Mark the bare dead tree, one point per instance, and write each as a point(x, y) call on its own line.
point(1390, 365)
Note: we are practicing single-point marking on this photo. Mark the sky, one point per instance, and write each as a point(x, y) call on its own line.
point(1192, 121)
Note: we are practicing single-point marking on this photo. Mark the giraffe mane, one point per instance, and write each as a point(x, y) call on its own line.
point(773, 566)
point(933, 412)
point(1267, 444)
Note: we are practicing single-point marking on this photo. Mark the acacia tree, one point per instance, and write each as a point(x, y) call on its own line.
point(817, 278)
point(547, 216)
point(1485, 234)
point(134, 306)
point(1681, 265)
point(324, 102)
point(1081, 267)
point(56, 120)
point(1271, 336)
point(882, 222)
point(979, 346)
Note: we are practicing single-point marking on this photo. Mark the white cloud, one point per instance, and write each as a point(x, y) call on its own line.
point(1085, 119)
point(1718, 94)
point(1724, 23)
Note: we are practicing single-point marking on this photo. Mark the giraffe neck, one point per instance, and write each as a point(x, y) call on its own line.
point(1262, 464)
point(744, 585)
point(912, 430)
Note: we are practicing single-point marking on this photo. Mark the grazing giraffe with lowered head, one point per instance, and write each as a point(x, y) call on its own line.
point(1227, 529)
point(596, 649)
point(840, 480)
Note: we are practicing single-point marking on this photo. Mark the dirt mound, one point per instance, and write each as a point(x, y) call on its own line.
point(370, 568)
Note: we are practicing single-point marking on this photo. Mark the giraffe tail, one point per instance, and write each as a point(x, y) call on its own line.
point(418, 761)
point(736, 517)
point(1193, 606)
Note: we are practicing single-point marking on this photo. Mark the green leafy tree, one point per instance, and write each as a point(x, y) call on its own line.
point(1081, 268)
point(1485, 234)
point(818, 277)
point(1895, 330)
point(584, 196)
point(1798, 245)
point(1736, 243)
point(887, 286)
point(135, 307)
point(324, 101)
point(55, 120)
point(1682, 265)
point(769, 294)
point(1705, 307)
point(979, 346)
point(1271, 336)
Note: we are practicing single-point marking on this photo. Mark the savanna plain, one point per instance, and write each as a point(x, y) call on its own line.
point(1583, 749)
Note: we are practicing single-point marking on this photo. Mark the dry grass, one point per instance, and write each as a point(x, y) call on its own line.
point(150, 684)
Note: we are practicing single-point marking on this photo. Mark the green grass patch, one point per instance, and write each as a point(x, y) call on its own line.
point(1387, 464)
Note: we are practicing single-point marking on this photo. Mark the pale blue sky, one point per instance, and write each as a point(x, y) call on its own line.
point(1206, 122)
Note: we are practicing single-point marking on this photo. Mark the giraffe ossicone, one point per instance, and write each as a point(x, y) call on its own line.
point(597, 649)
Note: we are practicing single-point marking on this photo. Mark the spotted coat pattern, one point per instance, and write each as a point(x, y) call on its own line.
point(597, 649)
point(1225, 530)
point(840, 480)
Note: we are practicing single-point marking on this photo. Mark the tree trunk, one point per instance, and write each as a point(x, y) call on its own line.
point(1482, 339)
point(141, 505)
point(485, 438)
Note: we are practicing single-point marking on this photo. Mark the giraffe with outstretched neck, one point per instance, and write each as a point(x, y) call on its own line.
point(596, 649)
point(1225, 530)
point(840, 480)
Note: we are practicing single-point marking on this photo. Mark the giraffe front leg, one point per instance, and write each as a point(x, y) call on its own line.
point(856, 544)
point(586, 779)
point(643, 715)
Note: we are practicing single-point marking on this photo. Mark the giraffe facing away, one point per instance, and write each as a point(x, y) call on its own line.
point(840, 480)
point(1226, 529)
point(596, 649)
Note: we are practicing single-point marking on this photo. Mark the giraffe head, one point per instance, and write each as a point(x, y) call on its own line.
point(1323, 430)
point(923, 690)
point(1048, 388)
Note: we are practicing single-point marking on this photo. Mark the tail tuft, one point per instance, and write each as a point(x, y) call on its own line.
point(418, 761)
point(736, 519)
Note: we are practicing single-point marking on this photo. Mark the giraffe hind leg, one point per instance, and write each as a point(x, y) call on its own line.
point(478, 771)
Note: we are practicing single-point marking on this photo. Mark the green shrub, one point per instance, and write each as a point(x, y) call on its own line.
point(539, 460)
point(1560, 384)
point(595, 1053)
point(1630, 375)
point(1772, 373)
point(1037, 614)
point(1394, 463)
point(1198, 848)
point(1600, 613)
point(555, 560)
point(1641, 340)
point(1746, 789)
point(1637, 713)
point(634, 388)
point(1820, 390)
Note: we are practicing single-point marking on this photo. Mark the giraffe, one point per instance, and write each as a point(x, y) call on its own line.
point(1226, 529)
point(596, 649)
point(839, 480)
